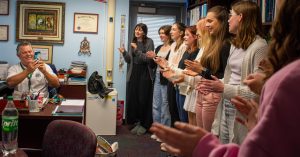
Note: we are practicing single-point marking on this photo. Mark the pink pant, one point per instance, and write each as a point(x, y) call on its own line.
point(205, 109)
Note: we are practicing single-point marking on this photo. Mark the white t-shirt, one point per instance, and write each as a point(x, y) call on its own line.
point(38, 82)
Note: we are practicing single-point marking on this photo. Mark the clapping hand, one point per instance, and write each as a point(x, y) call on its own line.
point(167, 73)
point(214, 85)
point(180, 140)
point(255, 82)
point(248, 108)
point(122, 49)
point(193, 65)
point(179, 79)
point(162, 62)
point(134, 46)
point(151, 54)
point(190, 72)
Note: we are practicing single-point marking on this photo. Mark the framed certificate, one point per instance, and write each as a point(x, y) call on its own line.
point(4, 7)
point(85, 23)
point(4, 32)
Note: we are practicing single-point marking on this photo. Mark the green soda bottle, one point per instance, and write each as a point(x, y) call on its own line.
point(10, 120)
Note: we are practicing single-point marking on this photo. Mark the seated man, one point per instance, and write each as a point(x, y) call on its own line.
point(30, 75)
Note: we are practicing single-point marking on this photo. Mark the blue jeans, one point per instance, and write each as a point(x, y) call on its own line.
point(180, 102)
point(160, 104)
point(227, 122)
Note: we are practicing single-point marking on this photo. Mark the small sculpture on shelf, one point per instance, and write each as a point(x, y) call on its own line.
point(84, 47)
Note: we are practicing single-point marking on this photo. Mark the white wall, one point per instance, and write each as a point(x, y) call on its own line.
point(64, 54)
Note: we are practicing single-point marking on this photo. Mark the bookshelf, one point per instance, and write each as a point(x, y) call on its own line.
point(198, 8)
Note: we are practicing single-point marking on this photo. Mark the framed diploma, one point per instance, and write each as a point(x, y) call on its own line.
point(4, 32)
point(4, 7)
point(85, 23)
point(41, 22)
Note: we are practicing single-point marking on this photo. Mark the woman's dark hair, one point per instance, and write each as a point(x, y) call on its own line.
point(285, 33)
point(167, 30)
point(145, 30)
point(181, 27)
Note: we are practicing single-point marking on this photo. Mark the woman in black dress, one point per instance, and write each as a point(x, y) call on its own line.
point(139, 80)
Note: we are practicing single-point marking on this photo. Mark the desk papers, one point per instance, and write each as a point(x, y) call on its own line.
point(70, 107)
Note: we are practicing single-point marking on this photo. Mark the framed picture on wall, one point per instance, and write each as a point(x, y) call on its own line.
point(4, 7)
point(4, 32)
point(85, 23)
point(43, 52)
point(41, 22)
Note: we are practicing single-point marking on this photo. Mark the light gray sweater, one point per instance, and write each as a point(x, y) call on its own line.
point(254, 54)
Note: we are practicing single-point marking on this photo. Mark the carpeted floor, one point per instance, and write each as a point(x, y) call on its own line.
point(135, 146)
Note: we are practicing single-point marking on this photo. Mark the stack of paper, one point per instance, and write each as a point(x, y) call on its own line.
point(70, 107)
point(3, 70)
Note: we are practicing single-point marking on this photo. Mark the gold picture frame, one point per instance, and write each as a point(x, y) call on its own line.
point(43, 52)
point(4, 32)
point(4, 7)
point(85, 23)
point(42, 22)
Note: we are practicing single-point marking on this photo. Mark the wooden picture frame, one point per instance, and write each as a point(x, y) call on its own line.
point(43, 52)
point(4, 7)
point(85, 23)
point(4, 32)
point(42, 22)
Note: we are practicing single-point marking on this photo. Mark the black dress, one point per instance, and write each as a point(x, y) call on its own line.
point(139, 85)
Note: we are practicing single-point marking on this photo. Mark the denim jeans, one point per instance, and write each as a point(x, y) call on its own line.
point(180, 102)
point(160, 104)
point(227, 122)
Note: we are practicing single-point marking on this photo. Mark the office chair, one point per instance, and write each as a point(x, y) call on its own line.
point(5, 90)
point(53, 91)
point(67, 138)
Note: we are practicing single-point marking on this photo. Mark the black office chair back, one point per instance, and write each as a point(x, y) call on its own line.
point(5, 90)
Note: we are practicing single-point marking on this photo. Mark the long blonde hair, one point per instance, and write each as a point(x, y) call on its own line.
point(211, 53)
point(203, 34)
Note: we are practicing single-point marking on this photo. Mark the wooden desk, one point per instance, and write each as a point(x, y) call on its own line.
point(32, 126)
point(72, 91)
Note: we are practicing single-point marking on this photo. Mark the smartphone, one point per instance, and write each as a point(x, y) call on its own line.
point(37, 55)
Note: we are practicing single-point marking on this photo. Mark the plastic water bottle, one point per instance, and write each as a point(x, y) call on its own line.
point(10, 120)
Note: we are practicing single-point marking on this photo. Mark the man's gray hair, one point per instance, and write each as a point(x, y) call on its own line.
point(23, 43)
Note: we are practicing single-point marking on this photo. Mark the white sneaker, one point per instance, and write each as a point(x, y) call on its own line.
point(162, 147)
point(158, 140)
point(153, 136)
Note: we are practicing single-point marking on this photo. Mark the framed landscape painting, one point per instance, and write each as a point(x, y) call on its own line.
point(41, 22)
